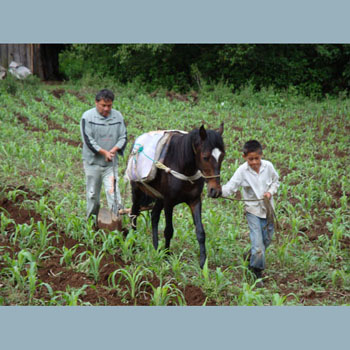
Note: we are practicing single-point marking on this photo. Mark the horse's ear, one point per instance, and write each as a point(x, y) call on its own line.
point(202, 133)
point(221, 128)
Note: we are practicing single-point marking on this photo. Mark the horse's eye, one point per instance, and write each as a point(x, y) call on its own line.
point(206, 159)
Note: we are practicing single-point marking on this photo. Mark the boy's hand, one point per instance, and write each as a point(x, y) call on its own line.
point(268, 195)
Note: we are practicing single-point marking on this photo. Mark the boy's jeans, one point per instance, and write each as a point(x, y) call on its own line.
point(96, 175)
point(260, 237)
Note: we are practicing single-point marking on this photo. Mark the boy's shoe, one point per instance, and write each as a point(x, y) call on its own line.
point(258, 275)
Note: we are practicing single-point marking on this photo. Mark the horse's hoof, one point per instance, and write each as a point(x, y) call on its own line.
point(201, 264)
point(125, 231)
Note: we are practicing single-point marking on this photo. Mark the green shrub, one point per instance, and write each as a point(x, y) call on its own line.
point(313, 69)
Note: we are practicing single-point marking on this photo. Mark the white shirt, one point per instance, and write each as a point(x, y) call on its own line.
point(254, 186)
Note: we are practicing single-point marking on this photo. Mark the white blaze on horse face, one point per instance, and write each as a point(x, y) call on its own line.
point(216, 154)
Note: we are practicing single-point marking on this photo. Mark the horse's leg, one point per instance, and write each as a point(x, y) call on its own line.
point(158, 206)
point(196, 208)
point(169, 230)
point(135, 209)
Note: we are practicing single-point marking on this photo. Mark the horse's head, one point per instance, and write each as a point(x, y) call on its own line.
point(209, 150)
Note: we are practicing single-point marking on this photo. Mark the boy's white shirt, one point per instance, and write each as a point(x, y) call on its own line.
point(254, 185)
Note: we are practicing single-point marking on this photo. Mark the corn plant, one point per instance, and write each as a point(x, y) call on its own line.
point(278, 300)
point(67, 255)
point(111, 243)
point(341, 279)
point(14, 274)
point(126, 244)
point(166, 294)
point(24, 231)
point(177, 266)
point(71, 297)
point(43, 234)
point(42, 207)
point(90, 236)
point(16, 267)
point(133, 278)
point(32, 280)
point(13, 194)
point(80, 264)
point(220, 280)
point(248, 296)
point(94, 265)
point(206, 274)
point(4, 222)
point(75, 226)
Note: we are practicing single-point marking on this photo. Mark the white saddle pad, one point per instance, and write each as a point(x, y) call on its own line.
point(146, 150)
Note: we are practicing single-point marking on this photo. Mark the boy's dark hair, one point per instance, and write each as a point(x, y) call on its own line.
point(252, 146)
point(105, 94)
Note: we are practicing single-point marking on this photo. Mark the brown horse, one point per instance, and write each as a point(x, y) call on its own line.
point(196, 155)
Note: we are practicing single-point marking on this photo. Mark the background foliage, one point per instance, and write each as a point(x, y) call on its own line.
point(313, 69)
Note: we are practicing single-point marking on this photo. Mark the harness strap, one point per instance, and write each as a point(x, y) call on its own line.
point(168, 170)
point(178, 175)
point(152, 190)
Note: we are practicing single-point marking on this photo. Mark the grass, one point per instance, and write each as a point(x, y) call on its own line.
point(306, 140)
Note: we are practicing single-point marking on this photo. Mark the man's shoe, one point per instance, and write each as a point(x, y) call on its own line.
point(257, 272)
point(259, 284)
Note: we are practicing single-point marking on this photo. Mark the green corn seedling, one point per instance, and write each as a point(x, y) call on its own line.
point(72, 295)
point(32, 280)
point(43, 234)
point(248, 296)
point(94, 265)
point(166, 294)
point(4, 223)
point(134, 279)
point(67, 255)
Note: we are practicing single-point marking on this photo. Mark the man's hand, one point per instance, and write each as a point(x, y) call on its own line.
point(114, 151)
point(107, 154)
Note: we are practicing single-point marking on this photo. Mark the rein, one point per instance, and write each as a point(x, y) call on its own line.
point(270, 213)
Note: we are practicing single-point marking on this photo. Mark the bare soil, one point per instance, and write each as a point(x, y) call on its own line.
point(60, 277)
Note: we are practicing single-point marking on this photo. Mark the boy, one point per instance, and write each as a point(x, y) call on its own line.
point(259, 179)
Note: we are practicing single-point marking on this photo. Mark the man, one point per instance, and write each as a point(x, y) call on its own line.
point(104, 135)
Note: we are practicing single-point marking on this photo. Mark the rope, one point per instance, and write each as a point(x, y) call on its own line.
point(270, 213)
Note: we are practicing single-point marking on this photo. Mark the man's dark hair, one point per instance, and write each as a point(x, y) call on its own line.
point(252, 146)
point(105, 94)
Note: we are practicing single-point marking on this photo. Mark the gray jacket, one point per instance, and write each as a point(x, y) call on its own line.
point(99, 132)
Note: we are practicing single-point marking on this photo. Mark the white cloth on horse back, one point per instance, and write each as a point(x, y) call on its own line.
point(254, 186)
point(146, 150)
point(99, 132)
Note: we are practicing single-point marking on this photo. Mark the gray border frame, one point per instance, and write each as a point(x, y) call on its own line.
point(181, 21)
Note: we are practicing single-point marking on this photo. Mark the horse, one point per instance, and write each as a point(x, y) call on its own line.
point(197, 156)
